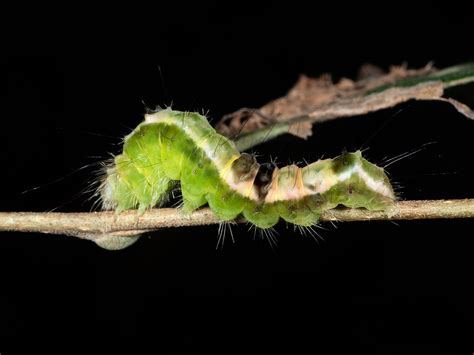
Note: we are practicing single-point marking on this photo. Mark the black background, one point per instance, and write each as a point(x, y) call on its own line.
point(77, 83)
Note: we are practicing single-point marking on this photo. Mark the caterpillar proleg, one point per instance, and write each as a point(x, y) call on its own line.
point(173, 146)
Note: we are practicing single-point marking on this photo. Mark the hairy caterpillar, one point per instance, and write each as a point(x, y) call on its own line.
point(171, 146)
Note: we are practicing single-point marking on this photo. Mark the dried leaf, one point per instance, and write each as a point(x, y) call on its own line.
point(319, 99)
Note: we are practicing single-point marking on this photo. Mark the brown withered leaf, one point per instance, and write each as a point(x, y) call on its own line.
point(319, 99)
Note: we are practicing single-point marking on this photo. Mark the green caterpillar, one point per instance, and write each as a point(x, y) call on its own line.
point(171, 146)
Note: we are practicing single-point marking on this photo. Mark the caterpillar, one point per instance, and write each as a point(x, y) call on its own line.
point(171, 147)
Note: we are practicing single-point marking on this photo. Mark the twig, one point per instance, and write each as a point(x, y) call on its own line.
point(96, 225)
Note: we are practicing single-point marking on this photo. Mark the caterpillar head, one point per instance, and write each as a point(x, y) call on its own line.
point(245, 167)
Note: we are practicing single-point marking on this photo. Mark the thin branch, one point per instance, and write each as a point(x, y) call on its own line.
point(96, 225)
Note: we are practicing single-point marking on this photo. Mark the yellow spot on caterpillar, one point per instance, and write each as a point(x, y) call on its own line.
point(225, 170)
